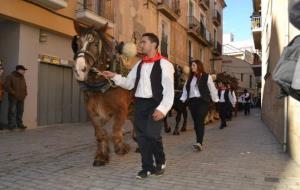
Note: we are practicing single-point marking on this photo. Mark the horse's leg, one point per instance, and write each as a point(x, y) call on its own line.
point(121, 148)
point(166, 125)
point(184, 113)
point(178, 118)
point(102, 153)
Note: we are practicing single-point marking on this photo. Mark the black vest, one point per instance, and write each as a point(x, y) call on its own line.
point(155, 78)
point(226, 95)
point(202, 86)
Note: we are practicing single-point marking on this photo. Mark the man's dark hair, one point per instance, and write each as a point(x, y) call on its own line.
point(153, 38)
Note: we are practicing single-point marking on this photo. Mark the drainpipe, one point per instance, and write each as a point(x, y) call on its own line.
point(286, 99)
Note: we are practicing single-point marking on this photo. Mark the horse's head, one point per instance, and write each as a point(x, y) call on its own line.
point(88, 48)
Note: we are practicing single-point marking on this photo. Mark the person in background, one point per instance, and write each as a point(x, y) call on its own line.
point(231, 105)
point(226, 102)
point(1, 89)
point(198, 91)
point(15, 85)
point(246, 97)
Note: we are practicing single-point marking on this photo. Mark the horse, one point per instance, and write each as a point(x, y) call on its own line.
point(178, 105)
point(95, 51)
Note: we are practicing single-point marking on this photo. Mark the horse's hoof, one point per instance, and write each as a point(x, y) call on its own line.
point(123, 149)
point(98, 163)
point(137, 150)
point(168, 129)
point(176, 133)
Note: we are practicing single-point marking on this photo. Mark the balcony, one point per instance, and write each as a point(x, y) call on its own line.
point(198, 31)
point(217, 19)
point(170, 8)
point(95, 12)
point(256, 30)
point(217, 49)
point(52, 4)
point(204, 4)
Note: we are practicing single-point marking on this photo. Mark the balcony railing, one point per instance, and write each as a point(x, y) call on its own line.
point(198, 30)
point(53, 4)
point(204, 4)
point(256, 22)
point(217, 18)
point(171, 8)
point(217, 49)
point(95, 12)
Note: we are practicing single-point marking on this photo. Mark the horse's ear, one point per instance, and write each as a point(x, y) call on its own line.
point(78, 28)
point(103, 29)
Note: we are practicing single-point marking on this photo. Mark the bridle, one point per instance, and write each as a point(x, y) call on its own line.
point(84, 52)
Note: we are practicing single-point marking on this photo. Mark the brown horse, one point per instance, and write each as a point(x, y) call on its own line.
point(95, 51)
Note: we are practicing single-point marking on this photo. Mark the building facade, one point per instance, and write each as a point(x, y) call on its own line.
point(272, 31)
point(240, 59)
point(38, 34)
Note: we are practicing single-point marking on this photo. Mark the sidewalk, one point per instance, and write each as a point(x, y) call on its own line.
point(243, 156)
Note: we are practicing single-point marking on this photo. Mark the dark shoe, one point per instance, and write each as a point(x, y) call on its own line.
point(143, 174)
point(160, 170)
point(21, 126)
point(221, 127)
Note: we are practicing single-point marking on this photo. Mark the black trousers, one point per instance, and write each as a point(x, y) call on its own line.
point(223, 112)
point(15, 111)
point(199, 110)
point(229, 111)
point(247, 108)
point(148, 133)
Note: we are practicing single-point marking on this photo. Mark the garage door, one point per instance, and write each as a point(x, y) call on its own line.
point(59, 97)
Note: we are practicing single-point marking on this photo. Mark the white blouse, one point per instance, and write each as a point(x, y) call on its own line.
point(194, 91)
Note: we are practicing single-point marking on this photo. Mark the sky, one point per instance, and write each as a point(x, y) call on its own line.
point(237, 19)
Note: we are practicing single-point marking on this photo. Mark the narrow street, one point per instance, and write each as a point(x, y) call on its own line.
point(243, 156)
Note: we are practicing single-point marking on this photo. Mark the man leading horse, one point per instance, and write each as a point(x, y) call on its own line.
point(152, 82)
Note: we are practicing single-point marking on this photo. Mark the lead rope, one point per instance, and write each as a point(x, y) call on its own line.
point(99, 73)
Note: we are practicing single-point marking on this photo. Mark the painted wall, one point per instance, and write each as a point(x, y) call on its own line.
point(277, 32)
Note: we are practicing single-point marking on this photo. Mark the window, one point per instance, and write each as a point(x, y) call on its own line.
point(242, 77)
point(191, 8)
point(190, 52)
point(164, 42)
point(202, 50)
point(215, 38)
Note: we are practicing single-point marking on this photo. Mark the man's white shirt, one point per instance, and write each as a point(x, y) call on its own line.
point(144, 89)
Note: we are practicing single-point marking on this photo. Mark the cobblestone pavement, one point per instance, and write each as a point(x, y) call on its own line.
point(243, 156)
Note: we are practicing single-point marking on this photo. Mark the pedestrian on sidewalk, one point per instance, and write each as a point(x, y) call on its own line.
point(246, 98)
point(152, 82)
point(226, 102)
point(1, 89)
point(198, 91)
point(15, 85)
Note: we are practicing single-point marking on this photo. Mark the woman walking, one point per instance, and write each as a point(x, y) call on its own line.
point(198, 91)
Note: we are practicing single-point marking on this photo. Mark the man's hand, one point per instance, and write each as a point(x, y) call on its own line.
point(108, 74)
point(158, 115)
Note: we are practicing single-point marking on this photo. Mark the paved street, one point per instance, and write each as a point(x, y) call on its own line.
point(243, 156)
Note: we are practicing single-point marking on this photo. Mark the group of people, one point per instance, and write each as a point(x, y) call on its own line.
point(15, 86)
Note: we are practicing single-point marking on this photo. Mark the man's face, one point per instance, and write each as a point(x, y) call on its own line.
point(21, 71)
point(146, 45)
point(1, 71)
